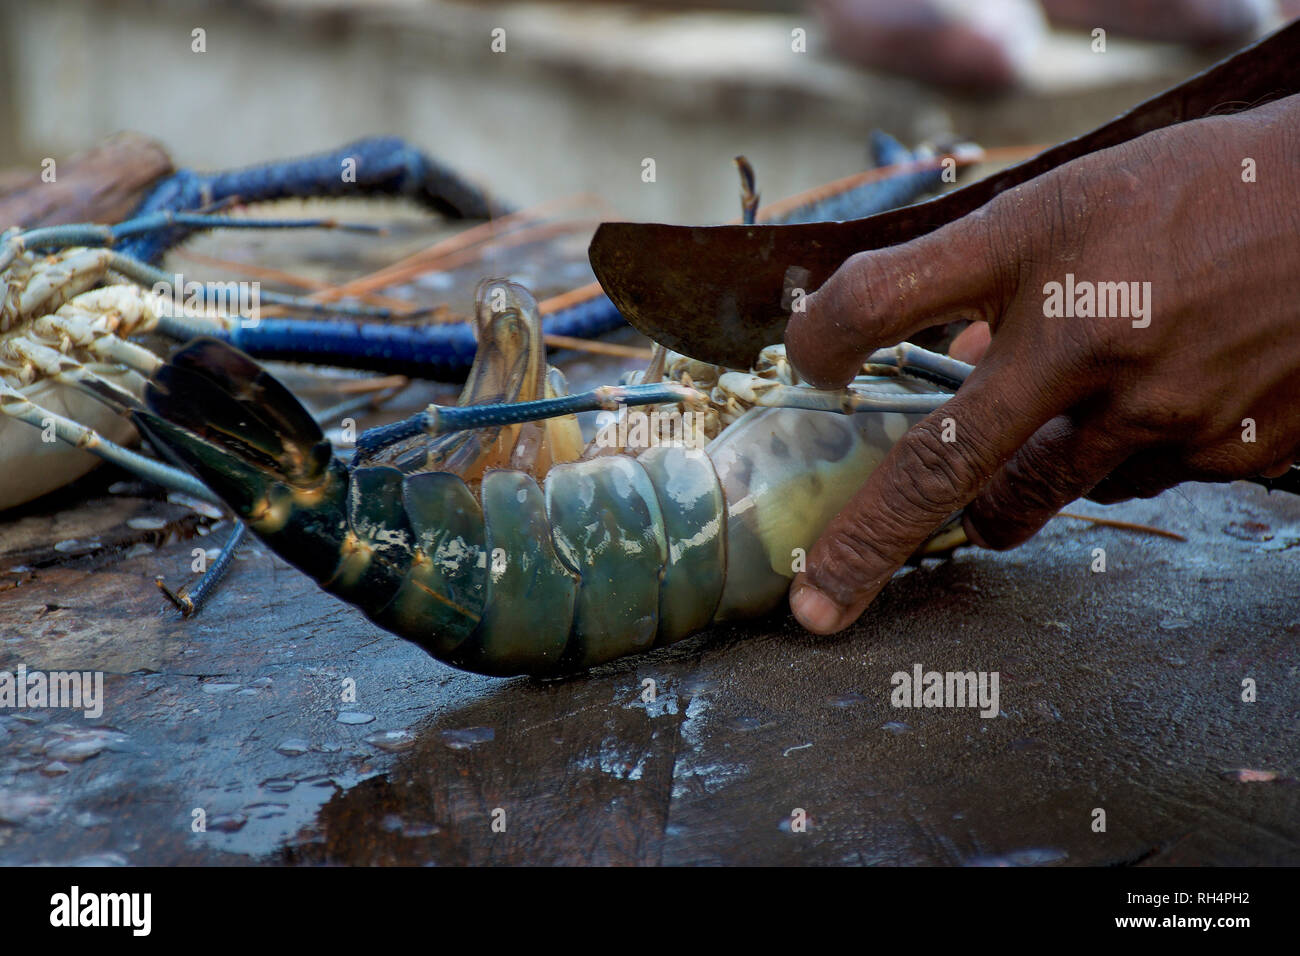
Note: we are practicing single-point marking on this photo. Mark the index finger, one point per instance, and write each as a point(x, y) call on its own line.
point(881, 297)
point(932, 472)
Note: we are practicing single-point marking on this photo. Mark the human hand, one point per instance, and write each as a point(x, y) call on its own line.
point(1198, 378)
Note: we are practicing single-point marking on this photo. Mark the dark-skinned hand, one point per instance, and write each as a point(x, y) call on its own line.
point(1062, 407)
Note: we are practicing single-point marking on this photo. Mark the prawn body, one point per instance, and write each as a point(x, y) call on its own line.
point(489, 534)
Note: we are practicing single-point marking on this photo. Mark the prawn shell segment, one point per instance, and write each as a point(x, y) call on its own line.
point(786, 473)
point(376, 551)
point(441, 599)
point(691, 502)
point(530, 593)
point(609, 529)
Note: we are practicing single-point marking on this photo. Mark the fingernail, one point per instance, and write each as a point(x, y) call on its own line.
point(815, 611)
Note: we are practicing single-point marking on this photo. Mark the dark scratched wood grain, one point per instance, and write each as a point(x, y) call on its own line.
point(1119, 691)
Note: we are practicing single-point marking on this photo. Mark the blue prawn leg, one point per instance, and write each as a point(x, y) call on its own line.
point(382, 166)
point(445, 352)
point(921, 363)
point(875, 196)
point(441, 352)
point(443, 419)
point(50, 238)
point(189, 602)
point(93, 234)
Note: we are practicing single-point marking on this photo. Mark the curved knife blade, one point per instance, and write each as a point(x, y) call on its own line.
point(722, 293)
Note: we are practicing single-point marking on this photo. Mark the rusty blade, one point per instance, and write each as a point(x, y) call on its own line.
point(722, 293)
point(685, 286)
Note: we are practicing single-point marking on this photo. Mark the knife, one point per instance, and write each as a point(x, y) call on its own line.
point(722, 293)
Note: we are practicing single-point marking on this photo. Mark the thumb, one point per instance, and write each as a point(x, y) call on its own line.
point(881, 297)
point(927, 476)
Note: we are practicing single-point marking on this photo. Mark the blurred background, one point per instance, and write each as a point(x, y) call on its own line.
point(581, 95)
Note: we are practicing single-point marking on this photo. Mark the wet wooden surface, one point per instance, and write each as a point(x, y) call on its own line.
point(1119, 690)
point(306, 735)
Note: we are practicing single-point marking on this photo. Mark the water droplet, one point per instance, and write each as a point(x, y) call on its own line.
point(846, 700)
point(101, 859)
point(55, 768)
point(228, 822)
point(293, 747)
point(467, 737)
point(1047, 709)
point(1174, 623)
point(394, 823)
point(787, 825)
point(261, 682)
point(392, 741)
point(1248, 531)
point(17, 807)
point(77, 746)
point(280, 784)
point(1031, 856)
point(354, 717)
point(1244, 775)
point(146, 523)
point(895, 727)
point(194, 504)
point(696, 686)
point(220, 688)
